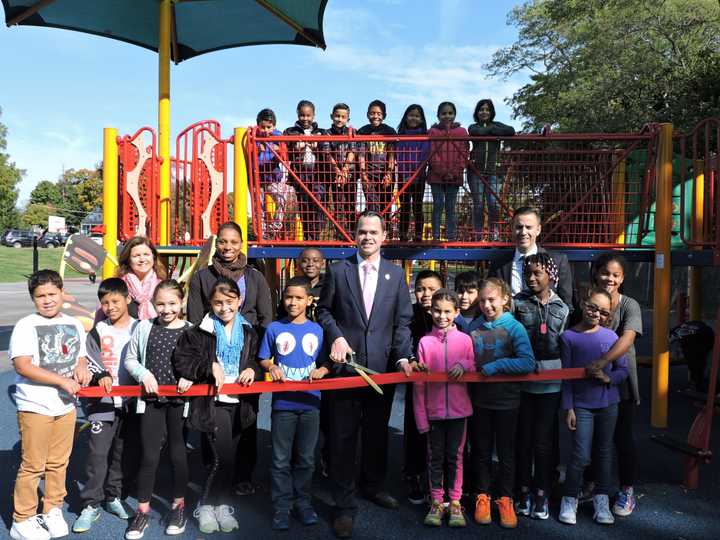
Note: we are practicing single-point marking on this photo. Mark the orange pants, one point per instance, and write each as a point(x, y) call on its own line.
point(46, 443)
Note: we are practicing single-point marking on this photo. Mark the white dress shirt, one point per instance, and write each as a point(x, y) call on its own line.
point(517, 280)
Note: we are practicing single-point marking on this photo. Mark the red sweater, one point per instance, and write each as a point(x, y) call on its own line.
point(447, 158)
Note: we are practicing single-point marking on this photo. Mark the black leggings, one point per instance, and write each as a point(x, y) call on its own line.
point(158, 422)
point(223, 445)
point(493, 428)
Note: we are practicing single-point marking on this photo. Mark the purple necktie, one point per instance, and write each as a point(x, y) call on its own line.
point(367, 293)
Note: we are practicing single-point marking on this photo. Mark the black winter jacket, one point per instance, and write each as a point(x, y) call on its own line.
point(484, 153)
point(193, 358)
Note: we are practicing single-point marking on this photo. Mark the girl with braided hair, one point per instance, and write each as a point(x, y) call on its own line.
point(544, 315)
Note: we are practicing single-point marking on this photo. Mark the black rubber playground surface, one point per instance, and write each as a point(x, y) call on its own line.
point(665, 510)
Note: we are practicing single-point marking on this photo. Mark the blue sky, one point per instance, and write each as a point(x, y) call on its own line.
point(61, 88)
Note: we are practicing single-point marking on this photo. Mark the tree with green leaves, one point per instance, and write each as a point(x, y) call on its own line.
point(37, 214)
point(46, 192)
point(10, 177)
point(614, 65)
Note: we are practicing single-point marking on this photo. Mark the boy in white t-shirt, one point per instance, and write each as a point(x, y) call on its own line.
point(48, 351)
point(106, 346)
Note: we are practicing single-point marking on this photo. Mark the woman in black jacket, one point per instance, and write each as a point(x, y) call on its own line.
point(222, 348)
point(482, 177)
point(256, 307)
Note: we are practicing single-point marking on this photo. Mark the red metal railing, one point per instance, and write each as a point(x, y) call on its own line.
point(138, 186)
point(594, 190)
point(199, 183)
point(697, 162)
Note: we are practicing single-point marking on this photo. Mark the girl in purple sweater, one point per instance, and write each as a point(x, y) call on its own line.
point(441, 409)
point(591, 404)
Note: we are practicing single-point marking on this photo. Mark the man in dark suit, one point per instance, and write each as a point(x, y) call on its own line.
point(526, 229)
point(364, 308)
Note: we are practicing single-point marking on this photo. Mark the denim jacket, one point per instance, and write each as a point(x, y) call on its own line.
point(546, 346)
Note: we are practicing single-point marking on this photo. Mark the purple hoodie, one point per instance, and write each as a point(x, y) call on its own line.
point(443, 401)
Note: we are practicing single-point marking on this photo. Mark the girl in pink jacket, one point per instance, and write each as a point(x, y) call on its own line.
point(447, 165)
point(441, 409)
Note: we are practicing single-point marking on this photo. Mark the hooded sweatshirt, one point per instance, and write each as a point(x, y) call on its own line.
point(501, 346)
point(440, 352)
point(447, 158)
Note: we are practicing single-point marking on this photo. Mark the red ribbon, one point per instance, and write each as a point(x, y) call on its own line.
point(336, 383)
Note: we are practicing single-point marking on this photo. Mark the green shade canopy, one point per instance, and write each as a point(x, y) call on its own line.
point(199, 26)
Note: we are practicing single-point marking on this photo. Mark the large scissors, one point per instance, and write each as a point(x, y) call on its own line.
point(363, 371)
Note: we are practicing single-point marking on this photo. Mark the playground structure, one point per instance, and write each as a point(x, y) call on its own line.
point(652, 194)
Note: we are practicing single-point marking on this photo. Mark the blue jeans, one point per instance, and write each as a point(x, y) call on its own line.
point(482, 195)
point(444, 196)
point(294, 436)
point(597, 425)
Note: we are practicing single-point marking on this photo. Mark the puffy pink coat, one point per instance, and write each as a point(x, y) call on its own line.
point(443, 401)
point(447, 158)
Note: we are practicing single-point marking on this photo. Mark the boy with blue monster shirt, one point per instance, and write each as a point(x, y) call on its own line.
point(296, 344)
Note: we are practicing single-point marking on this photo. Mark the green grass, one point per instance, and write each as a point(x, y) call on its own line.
point(17, 263)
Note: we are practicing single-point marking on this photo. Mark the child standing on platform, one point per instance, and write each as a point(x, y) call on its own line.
point(544, 315)
point(305, 164)
point(626, 322)
point(591, 405)
point(340, 175)
point(410, 157)
point(447, 166)
point(107, 346)
point(427, 283)
point(376, 160)
point(296, 344)
point(441, 409)
point(501, 346)
point(47, 349)
point(149, 361)
point(220, 349)
point(278, 196)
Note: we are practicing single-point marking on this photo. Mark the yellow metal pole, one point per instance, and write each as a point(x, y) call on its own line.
point(619, 201)
point(661, 297)
point(408, 267)
point(240, 186)
point(110, 200)
point(164, 117)
point(695, 272)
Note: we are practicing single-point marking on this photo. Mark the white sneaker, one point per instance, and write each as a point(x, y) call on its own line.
point(568, 510)
point(602, 515)
point(225, 519)
point(206, 519)
point(30, 529)
point(55, 523)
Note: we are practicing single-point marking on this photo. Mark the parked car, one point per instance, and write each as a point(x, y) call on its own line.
point(18, 238)
point(52, 240)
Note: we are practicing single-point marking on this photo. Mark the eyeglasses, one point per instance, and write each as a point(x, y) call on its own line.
point(595, 309)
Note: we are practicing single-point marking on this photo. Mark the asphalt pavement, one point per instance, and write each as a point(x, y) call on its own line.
point(665, 510)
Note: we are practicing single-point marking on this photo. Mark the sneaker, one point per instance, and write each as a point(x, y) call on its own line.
point(540, 508)
point(624, 502)
point(117, 508)
point(482, 510)
point(55, 523)
point(306, 515)
point(30, 529)
point(137, 527)
point(568, 510)
point(176, 521)
point(586, 492)
point(457, 516)
point(602, 514)
point(85, 520)
point(207, 521)
point(224, 516)
point(435, 515)
point(281, 521)
point(508, 519)
point(522, 507)
point(415, 492)
point(244, 488)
